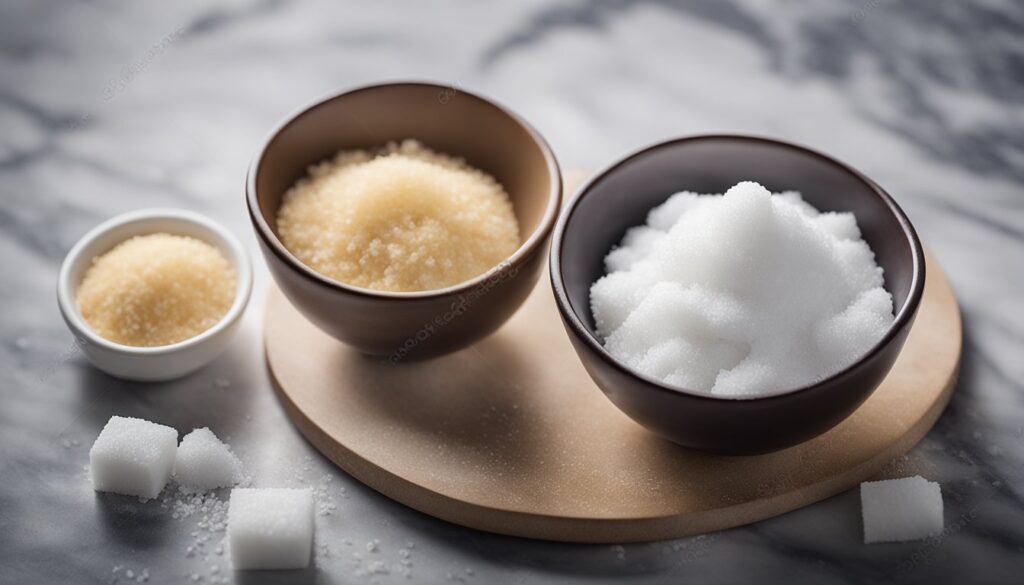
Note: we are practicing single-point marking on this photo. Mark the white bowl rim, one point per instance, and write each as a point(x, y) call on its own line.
point(239, 260)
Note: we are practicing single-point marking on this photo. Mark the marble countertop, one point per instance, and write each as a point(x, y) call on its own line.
point(112, 106)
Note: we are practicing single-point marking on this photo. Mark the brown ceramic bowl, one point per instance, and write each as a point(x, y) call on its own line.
point(620, 196)
point(445, 118)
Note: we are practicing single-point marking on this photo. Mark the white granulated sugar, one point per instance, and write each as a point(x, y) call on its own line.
point(132, 456)
point(743, 294)
point(325, 502)
point(122, 575)
point(618, 550)
point(898, 510)
point(204, 462)
point(270, 528)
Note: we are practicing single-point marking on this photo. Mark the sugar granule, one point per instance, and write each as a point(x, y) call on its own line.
point(741, 294)
point(404, 218)
point(156, 289)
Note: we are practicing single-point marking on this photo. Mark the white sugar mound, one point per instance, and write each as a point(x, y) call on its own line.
point(898, 510)
point(744, 294)
point(204, 462)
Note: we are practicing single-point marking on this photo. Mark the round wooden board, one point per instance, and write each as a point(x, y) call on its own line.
point(511, 436)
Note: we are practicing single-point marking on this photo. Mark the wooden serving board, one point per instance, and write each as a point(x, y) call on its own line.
point(511, 436)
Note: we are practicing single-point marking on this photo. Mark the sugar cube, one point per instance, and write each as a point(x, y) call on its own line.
point(270, 528)
point(133, 457)
point(204, 462)
point(898, 510)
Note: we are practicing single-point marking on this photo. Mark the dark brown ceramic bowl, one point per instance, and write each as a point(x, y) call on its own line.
point(447, 119)
point(620, 196)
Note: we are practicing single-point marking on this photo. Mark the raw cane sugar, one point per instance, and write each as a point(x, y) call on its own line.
point(403, 218)
point(156, 289)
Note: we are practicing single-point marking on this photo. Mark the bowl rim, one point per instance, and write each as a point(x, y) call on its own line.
point(569, 315)
point(238, 258)
point(527, 248)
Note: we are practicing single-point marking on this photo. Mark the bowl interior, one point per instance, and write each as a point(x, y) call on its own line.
point(621, 198)
point(446, 119)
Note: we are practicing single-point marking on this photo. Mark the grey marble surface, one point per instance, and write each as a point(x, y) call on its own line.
point(111, 106)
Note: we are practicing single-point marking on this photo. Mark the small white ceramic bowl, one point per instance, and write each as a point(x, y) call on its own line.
point(166, 361)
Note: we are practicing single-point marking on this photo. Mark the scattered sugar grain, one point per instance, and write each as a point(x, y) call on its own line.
point(404, 218)
point(899, 510)
point(325, 502)
point(746, 293)
point(619, 551)
point(156, 289)
point(120, 571)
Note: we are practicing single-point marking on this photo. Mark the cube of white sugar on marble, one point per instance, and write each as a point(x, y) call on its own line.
point(270, 528)
point(133, 457)
point(204, 462)
point(898, 510)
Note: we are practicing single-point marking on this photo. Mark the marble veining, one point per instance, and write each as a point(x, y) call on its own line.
point(111, 106)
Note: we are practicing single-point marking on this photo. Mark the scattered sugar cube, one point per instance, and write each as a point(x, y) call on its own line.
point(204, 462)
point(133, 457)
point(898, 510)
point(270, 528)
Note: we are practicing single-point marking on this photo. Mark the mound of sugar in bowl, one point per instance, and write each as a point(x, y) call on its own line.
point(270, 528)
point(205, 463)
point(898, 510)
point(156, 289)
point(744, 294)
point(402, 218)
point(133, 457)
